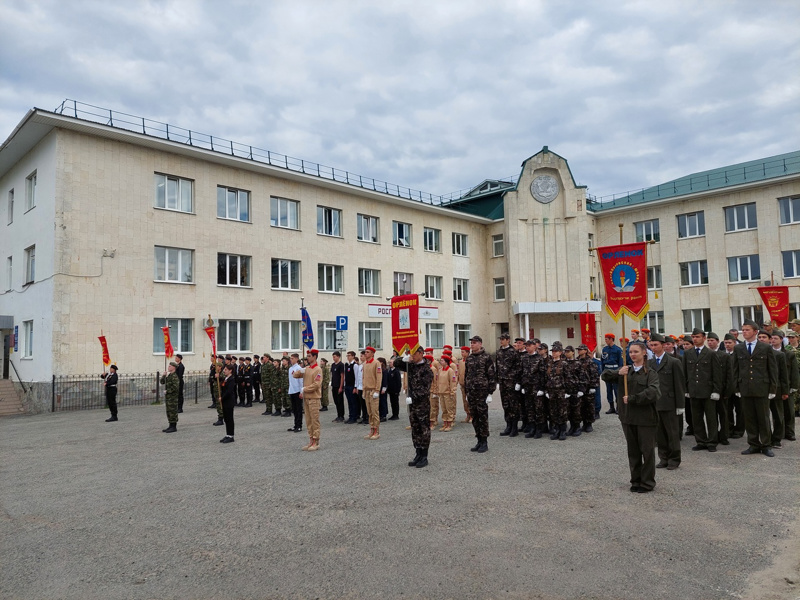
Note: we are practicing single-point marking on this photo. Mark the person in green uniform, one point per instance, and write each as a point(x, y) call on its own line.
point(283, 388)
point(215, 392)
point(172, 385)
point(326, 383)
point(638, 416)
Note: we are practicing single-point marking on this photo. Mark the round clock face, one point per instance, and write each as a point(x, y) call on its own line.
point(544, 188)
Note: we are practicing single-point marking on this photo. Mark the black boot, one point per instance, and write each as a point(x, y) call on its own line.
point(537, 432)
point(514, 430)
point(267, 412)
point(413, 463)
point(571, 429)
point(532, 431)
point(218, 422)
point(587, 427)
point(554, 432)
point(478, 445)
point(423, 460)
point(173, 427)
point(484, 447)
point(562, 432)
point(576, 429)
point(507, 430)
point(524, 427)
point(611, 410)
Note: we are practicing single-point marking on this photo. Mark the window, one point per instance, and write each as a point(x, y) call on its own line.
point(499, 288)
point(740, 313)
point(647, 231)
point(329, 221)
point(403, 284)
point(326, 330)
point(27, 346)
point(30, 191)
point(431, 239)
point(434, 335)
point(329, 278)
point(180, 335)
point(401, 234)
point(654, 277)
point(233, 270)
point(694, 273)
point(285, 274)
point(498, 245)
point(367, 228)
point(789, 209)
point(460, 290)
point(10, 207)
point(369, 282)
point(460, 244)
point(234, 335)
point(284, 213)
point(233, 204)
point(744, 268)
point(9, 273)
point(173, 193)
point(286, 335)
point(30, 264)
point(592, 288)
point(174, 264)
point(697, 317)
point(794, 311)
point(654, 321)
point(740, 217)
point(370, 334)
point(691, 225)
point(791, 263)
point(462, 334)
point(433, 287)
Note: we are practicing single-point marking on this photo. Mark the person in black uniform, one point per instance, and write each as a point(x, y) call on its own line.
point(179, 372)
point(255, 379)
point(337, 385)
point(228, 402)
point(110, 383)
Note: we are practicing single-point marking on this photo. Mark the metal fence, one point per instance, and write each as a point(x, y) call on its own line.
point(83, 392)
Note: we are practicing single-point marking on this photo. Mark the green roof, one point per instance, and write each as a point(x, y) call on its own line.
point(716, 179)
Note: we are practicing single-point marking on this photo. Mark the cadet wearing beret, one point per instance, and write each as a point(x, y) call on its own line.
point(110, 384)
point(611, 359)
point(670, 406)
point(172, 385)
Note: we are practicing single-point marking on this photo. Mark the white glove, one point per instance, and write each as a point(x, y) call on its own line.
point(408, 400)
point(738, 395)
point(523, 391)
point(383, 390)
point(580, 394)
point(566, 395)
point(771, 396)
point(715, 396)
point(406, 358)
point(680, 411)
point(540, 393)
point(592, 391)
point(547, 395)
point(687, 395)
point(517, 387)
point(375, 395)
point(489, 398)
point(792, 391)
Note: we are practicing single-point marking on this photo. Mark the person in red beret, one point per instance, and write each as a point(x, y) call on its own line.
point(611, 358)
point(372, 377)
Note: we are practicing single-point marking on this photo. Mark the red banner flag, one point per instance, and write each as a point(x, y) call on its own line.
point(168, 351)
point(588, 331)
point(776, 299)
point(212, 335)
point(106, 356)
point(405, 323)
point(624, 270)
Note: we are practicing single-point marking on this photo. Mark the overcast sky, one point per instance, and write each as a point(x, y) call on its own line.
point(433, 95)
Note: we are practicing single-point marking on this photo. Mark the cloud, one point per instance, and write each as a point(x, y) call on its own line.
point(433, 96)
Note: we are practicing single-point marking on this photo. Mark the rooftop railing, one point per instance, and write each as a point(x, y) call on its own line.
point(142, 125)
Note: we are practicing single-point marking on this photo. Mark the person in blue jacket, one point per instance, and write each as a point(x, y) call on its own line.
point(611, 359)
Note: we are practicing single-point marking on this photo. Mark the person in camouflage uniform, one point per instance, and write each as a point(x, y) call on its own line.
point(790, 406)
point(268, 384)
point(172, 386)
point(216, 390)
point(794, 345)
point(508, 373)
point(326, 383)
point(576, 390)
point(557, 381)
point(283, 388)
point(420, 378)
point(480, 380)
point(531, 384)
point(592, 374)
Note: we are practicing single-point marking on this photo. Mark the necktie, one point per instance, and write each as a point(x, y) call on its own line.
point(698, 351)
point(750, 347)
point(658, 361)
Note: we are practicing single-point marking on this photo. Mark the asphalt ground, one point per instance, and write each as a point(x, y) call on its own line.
point(124, 511)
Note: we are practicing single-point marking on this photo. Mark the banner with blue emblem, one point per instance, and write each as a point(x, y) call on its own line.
point(624, 270)
point(306, 328)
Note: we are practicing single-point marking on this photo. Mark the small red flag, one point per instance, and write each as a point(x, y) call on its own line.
point(168, 351)
point(106, 356)
point(212, 335)
point(588, 331)
point(776, 299)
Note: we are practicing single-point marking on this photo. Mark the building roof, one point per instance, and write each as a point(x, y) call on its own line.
point(753, 171)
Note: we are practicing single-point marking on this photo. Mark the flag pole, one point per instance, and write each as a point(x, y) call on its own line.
point(624, 343)
point(214, 359)
point(302, 342)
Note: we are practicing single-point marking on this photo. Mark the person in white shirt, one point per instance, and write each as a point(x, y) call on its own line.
point(295, 387)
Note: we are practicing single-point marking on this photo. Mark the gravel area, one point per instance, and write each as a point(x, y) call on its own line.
point(124, 511)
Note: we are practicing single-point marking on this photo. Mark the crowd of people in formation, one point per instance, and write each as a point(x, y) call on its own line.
point(655, 383)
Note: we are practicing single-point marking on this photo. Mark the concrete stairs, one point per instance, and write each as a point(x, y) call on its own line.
point(10, 401)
